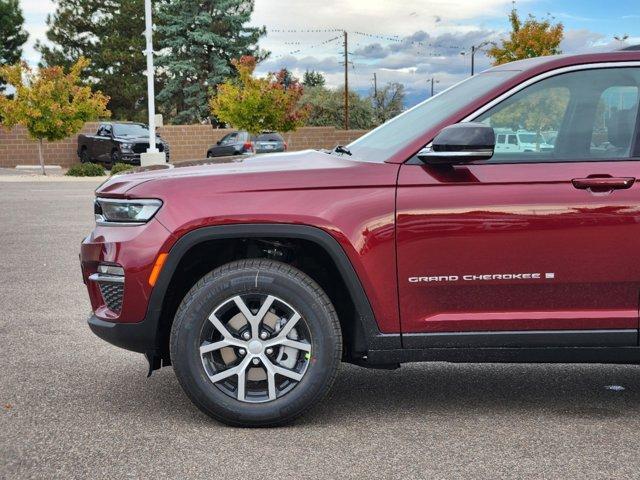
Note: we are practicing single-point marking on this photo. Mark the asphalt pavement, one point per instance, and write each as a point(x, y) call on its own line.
point(72, 406)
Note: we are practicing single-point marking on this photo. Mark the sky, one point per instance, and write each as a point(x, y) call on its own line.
point(409, 42)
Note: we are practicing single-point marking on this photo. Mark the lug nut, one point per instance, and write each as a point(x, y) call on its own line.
point(242, 352)
point(246, 335)
point(269, 351)
point(264, 335)
point(256, 361)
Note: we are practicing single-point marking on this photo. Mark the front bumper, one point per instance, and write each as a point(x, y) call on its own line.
point(134, 158)
point(134, 249)
point(137, 337)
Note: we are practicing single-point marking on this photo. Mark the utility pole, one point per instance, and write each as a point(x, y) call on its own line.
point(375, 95)
point(473, 54)
point(433, 80)
point(346, 82)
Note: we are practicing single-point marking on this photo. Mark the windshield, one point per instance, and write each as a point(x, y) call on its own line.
point(130, 130)
point(380, 144)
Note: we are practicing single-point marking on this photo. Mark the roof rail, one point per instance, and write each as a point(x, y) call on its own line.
point(630, 48)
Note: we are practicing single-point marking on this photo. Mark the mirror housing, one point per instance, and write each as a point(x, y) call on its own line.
point(460, 143)
point(218, 142)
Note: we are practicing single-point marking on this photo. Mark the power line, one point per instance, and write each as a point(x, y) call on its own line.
point(378, 36)
point(307, 47)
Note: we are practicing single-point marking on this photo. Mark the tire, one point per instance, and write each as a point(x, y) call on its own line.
point(318, 330)
point(115, 158)
point(84, 156)
point(210, 155)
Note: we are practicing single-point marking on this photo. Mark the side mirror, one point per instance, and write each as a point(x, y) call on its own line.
point(218, 142)
point(460, 143)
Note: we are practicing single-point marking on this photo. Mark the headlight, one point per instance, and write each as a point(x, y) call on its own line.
point(109, 211)
point(126, 147)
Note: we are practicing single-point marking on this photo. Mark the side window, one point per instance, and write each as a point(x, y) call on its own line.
point(229, 139)
point(106, 131)
point(577, 116)
point(225, 140)
point(615, 120)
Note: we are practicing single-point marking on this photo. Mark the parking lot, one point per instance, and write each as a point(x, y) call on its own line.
point(73, 406)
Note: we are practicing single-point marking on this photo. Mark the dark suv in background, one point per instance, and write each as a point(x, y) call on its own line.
point(240, 142)
point(118, 142)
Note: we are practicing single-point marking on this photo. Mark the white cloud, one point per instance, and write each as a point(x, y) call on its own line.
point(404, 42)
point(30, 7)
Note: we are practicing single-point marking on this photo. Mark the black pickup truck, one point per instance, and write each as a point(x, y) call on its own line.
point(118, 142)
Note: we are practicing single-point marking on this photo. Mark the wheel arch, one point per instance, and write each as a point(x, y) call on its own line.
point(362, 332)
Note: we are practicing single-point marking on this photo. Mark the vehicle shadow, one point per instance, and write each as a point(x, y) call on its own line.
point(359, 394)
point(447, 389)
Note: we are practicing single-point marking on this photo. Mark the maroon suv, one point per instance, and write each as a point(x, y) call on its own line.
point(424, 240)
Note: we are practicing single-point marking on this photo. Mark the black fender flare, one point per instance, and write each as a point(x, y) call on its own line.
point(375, 340)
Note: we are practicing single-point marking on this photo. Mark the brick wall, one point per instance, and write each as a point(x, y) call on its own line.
point(187, 142)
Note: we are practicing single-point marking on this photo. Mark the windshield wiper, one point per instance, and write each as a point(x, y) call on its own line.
point(342, 149)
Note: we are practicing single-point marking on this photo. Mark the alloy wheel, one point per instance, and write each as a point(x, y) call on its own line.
point(255, 347)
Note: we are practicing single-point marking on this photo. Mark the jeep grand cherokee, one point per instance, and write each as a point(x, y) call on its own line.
point(417, 242)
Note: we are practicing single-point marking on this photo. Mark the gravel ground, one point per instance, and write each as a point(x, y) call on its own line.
point(73, 406)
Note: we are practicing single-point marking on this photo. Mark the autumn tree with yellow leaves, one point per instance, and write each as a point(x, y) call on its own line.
point(527, 39)
point(257, 104)
point(50, 103)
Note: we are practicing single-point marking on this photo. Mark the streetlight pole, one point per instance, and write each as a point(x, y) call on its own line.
point(474, 49)
point(152, 155)
point(346, 81)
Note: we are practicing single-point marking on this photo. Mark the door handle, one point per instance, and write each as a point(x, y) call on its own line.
point(603, 184)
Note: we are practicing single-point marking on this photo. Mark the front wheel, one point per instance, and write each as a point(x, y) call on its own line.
point(84, 156)
point(256, 343)
point(116, 157)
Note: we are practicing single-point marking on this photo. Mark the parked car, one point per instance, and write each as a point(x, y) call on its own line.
point(240, 142)
point(417, 242)
point(116, 142)
point(520, 141)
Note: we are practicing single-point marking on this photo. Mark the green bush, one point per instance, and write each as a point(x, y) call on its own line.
point(120, 167)
point(85, 170)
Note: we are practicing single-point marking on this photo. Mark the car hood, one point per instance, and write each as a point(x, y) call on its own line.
point(294, 170)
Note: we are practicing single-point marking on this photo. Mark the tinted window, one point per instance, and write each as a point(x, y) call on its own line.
point(229, 138)
point(585, 115)
point(130, 130)
point(270, 137)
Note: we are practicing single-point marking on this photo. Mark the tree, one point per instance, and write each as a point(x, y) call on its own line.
point(528, 39)
point(257, 104)
point(311, 78)
point(51, 104)
point(388, 102)
point(201, 37)
point(537, 111)
point(285, 78)
point(326, 108)
point(12, 34)
point(110, 33)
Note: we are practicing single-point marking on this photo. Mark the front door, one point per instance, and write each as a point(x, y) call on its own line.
point(541, 241)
